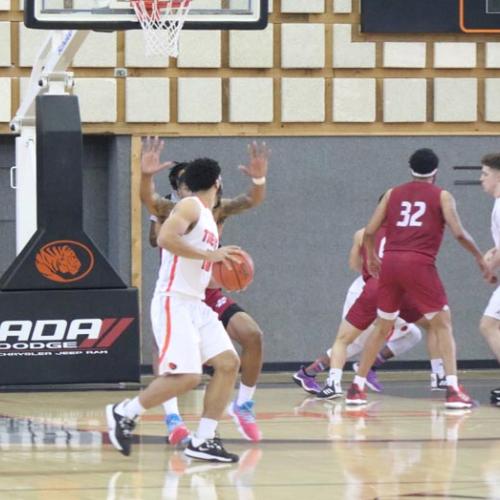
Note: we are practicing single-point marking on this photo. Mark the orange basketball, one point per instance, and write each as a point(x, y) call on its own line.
point(238, 277)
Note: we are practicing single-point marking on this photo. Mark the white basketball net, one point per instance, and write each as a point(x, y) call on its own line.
point(161, 22)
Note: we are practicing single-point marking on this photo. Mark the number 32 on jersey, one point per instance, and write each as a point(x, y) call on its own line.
point(411, 213)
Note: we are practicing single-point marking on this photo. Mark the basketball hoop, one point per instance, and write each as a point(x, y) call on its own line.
point(161, 22)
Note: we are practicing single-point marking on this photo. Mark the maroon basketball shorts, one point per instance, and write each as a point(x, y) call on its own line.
point(224, 306)
point(364, 310)
point(412, 275)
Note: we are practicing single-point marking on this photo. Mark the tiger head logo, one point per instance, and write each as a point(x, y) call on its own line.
point(64, 261)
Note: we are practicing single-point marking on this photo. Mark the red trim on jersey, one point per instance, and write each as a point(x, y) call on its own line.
point(172, 273)
point(168, 332)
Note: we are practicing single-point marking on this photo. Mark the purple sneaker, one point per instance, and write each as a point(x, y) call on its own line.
point(371, 379)
point(307, 382)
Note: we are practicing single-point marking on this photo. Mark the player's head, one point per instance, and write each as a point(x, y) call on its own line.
point(424, 163)
point(490, 173)
point(174, 174)
point(202, 174)
point(182, 189)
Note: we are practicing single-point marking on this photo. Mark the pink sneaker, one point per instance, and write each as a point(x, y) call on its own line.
point(178, 433)
point(355, 396)
point(458, 399)
point(244, 418)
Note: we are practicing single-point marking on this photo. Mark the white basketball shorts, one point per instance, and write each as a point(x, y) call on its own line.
point(187, 333)
point(493, 308)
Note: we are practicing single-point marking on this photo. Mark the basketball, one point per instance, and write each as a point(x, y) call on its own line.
point(238, 277)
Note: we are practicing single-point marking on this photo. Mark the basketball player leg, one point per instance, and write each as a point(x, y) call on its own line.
point(305, 377)
point(489, 327)
point(373, 345)
point(218, 352)
point(440, 324)
point(219, 389)
point(403, 337)
point(346, 334)
point(353, 353)
point(178, 433)
point(357, 319)
point(244, 330)
point(179, 366)
point(438, 374)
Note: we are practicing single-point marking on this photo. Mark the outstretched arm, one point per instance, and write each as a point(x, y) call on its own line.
point(355, 258)
point(257, 171)
point(150, 165)
point(452, 219)
point(378, 217)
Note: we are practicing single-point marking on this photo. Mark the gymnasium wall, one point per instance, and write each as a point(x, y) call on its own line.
point(320, 191)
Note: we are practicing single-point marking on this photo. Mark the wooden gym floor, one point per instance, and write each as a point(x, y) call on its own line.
point(403, 444)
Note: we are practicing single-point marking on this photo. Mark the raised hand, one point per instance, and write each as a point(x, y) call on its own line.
point(150, 156)
point(488, 274)
point(259, 157)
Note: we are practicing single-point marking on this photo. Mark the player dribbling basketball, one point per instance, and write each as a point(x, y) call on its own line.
point(187, 330)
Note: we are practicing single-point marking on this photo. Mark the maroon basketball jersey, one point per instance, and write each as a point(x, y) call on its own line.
point(415, 221)
point(379, 249)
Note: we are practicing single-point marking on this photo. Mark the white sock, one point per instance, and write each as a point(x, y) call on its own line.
point(452, 381)
point(171, 406)
point(359, 381)
point(206, 430)
point(130, 408)
point(245, 394)
point(334, 376)
point(438, 367)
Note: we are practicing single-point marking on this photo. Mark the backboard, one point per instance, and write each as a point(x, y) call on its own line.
point(116, 15)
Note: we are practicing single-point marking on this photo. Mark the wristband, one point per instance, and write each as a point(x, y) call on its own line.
point(259, 181)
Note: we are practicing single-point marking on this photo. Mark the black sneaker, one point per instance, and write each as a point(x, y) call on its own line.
point(210, 450)
point(495, 397)
point(119, 430)
point(438, 383)
point(329, 392)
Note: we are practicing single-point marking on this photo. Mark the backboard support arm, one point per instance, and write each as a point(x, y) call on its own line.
point(49, 76)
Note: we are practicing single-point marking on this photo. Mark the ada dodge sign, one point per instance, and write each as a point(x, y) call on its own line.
point(90, 336)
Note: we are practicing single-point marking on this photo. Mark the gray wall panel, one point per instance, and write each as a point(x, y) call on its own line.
point(118, 206)
point(320, 191)
point(7, 203)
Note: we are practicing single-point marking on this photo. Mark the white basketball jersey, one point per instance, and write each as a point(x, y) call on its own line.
point(495, 223)
point(179, 275)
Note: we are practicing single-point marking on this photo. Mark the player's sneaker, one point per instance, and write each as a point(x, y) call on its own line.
point(244, 418)
point(355, 396)
point(307, 382)
point(495, 397)
point(372, 380)
point(333, 391)
point(495, 393)
point(438, 383)
point(119, 430)
point(458, 399)
point(210, 450)
point(178, 433)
